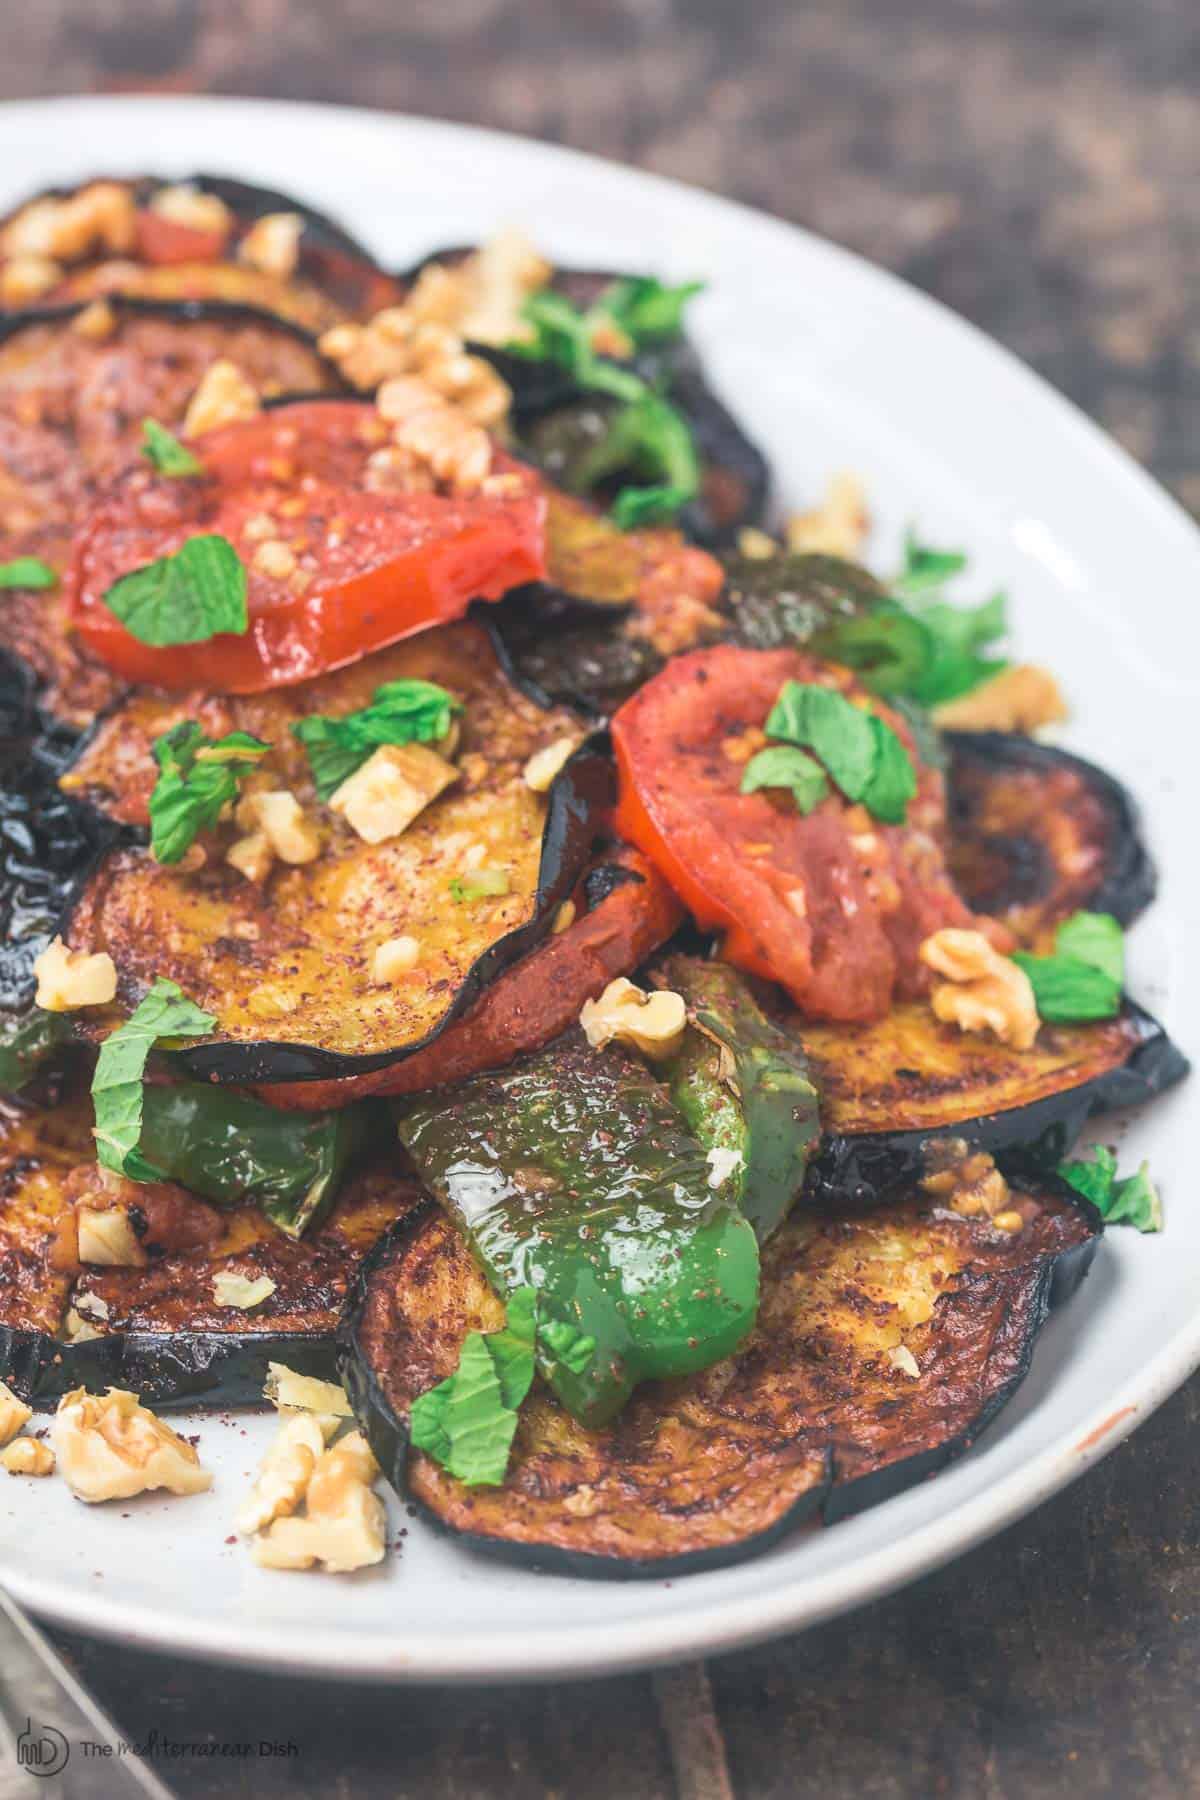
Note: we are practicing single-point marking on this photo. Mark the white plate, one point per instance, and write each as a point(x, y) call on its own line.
point(835, 365)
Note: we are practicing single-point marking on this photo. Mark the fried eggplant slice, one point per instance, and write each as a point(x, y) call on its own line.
point(1035, 833)
point(287, 965)
point(72, 403)
point(819, 1411)
point(187, 240)
point(889, 1086)
point(159, 1329)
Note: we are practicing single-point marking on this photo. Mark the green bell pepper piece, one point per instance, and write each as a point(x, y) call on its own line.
point(569, 1173)
point(743, 1090)
point(228, 1147)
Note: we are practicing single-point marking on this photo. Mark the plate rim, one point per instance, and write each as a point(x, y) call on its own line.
point(732, 1621)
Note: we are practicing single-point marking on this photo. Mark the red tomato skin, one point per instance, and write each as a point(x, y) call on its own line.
point(790, 893)
point(387, 565)
point(161, 240)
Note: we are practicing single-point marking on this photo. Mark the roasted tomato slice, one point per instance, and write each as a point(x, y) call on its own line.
point(162, 241)
point(359, 570)
point(834, 906)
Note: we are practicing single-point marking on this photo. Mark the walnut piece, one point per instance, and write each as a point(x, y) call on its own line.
point(983, 990)
point(1018, 699)
point(231, 1288)
point(838, 526)
point(14, 1414)
point(186, 205)
point(224, 397)
point(545, 764)
point(67, 979)
point(964, 1180)
point(272, 244)
point(283, 1474)
point(281, 819)
point(110, 1447)
point(107, 1239)
point(652, 1023)
point(395, 784)
point(394, 959)
point(436, 433)
point(344, 1523)
point(289, 1391)
point(100, 217)
point(28, 1456)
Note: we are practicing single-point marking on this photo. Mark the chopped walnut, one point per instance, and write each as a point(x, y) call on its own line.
point(99, 218)
point(436, 433)
point(272, 244)
point(482, 296)
point(283, 1474)
point(756, 544)
point(28, 1456)
point(96, 322)
point(1018, 699)
point(545, 764)
point(26, 278)
point(838, 526)
point(983, 990)
point(67, 979)
point(278, 815)
point(289, 1391)
point(224, 397)
point(344, 1523)
point(110, 1447)
point(107, 1239)
point(397, 957)
point(231, 1288)
point(14, 1414)
point(652, 1023)
point(964, 1180)
point(186, 205)
point(395, 784)
point(395, 343)
point(252, 856)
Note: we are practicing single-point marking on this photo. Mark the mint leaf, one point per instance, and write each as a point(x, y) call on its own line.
point(467, 1422)
point(199, 776)
point(926, 568)
point(1133, 1201)
point(863, 754)
point(481, 884)
point(168, 455)
point(888, 646)
point(165, 1013)
point(401, 712)
point(894, 781)
point(195, 594)
point(27, 572)
point(645, 309)
point(1094, 938)
point(784, 766)
point(957, 636)
point(1082, 979)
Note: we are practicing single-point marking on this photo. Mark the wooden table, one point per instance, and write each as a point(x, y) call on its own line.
point(1033, 163)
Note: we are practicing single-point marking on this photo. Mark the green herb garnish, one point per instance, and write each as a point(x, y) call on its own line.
point(168, 455)
point(199, 776)
point(1133, 1201)
point(784, 766)
point(863, 755)
point(195, 594)
point(166, 1013)
point(925, 568)
point(467, 1422)
point(482, 884)
point(401, 712)
point(1082, 979)
point(27, 572)
point(647, 434)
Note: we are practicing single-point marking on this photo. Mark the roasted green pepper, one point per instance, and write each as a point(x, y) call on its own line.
point(570, 1173)
point(27, 1041)
point(743, 1090)
point(228, 1147)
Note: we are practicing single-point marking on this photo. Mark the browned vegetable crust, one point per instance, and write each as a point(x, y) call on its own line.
point(38, 1151)
point(290, 961)
point(71, 412)
point(911, 1072)
point(1035, 833)
point(717, 1465)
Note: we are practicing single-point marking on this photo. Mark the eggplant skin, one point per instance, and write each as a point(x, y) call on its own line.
point(810, 1418)
point(889, 1087)
point(1036, 833)
point(162, 1332)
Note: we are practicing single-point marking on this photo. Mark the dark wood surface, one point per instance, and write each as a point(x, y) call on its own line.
point(1033, 163)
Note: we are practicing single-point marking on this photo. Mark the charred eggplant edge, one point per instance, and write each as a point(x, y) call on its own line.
point(859, 1170)
point(1130, 879)
point(1056, 1279)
